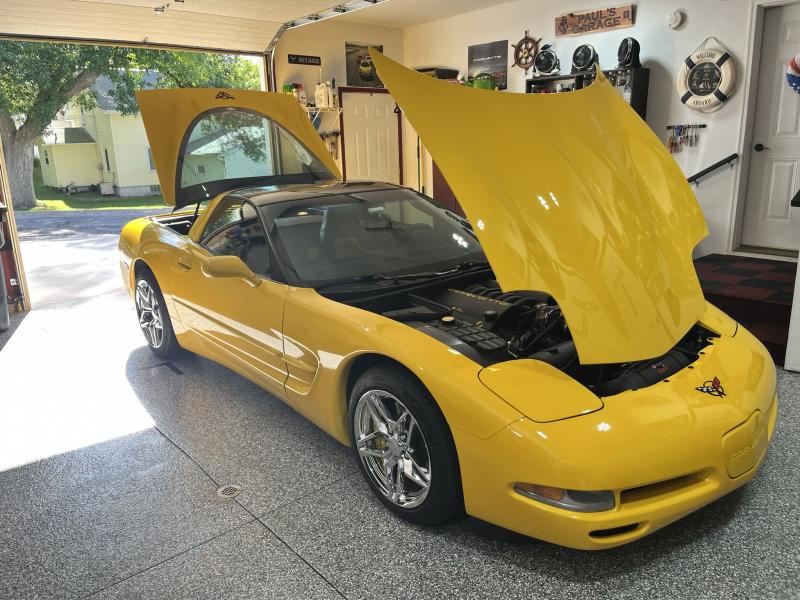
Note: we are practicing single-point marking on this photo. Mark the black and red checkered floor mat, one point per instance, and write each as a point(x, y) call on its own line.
point(756, 292)
point(747, 278)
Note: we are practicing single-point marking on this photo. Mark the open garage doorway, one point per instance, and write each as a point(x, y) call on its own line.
point(79, 160)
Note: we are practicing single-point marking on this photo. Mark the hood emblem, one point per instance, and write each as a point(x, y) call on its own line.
point(223, 96)
point(713, 387)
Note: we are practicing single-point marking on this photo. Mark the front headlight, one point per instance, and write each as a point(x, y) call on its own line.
point(575, 500)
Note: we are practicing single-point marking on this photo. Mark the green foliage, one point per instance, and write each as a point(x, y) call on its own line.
point(38, 79)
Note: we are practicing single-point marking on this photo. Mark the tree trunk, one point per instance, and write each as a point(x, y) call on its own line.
point(19, 162)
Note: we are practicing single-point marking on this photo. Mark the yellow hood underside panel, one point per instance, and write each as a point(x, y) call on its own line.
point(571, 194)
point(167, 115)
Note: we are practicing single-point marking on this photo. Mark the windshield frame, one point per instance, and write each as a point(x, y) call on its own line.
point(203, 191)
point(271, 210)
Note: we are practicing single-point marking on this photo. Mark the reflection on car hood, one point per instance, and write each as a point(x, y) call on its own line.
point(571, 194)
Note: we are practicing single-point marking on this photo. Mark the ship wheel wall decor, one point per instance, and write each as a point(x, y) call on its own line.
point(525, 51)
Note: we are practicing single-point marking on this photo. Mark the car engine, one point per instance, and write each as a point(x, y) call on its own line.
point(490, 326)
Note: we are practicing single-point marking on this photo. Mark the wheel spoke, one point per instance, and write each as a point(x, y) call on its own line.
point(365, 450)
point(416, 473)
point(378, 411)
point(410, 429)
point(391, 482)
point(399, 487)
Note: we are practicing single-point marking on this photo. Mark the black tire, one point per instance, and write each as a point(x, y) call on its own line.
point(444, 498)
point(168, 346)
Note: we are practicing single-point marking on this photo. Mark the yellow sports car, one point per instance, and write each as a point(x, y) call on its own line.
point(548, 365)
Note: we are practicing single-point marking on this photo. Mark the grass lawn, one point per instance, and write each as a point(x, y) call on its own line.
point(50, 199)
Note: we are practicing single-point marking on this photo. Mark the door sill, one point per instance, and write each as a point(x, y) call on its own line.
point(768, 253)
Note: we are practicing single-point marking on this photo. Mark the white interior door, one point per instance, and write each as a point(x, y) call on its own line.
point(774, 177)
point(371, 144)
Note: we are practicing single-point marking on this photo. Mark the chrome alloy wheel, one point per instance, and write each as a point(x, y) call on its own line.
point(392, 448)
point(149, 311)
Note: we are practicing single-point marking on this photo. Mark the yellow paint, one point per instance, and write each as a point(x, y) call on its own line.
point(168, 113)
point(571, 194)
point(528, 427)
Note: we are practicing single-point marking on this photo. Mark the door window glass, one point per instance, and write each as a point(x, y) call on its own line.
point(244, 237)
point(228, 211)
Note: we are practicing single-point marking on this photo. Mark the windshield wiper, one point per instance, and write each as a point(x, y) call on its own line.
point(359, 279)
point(464, 266)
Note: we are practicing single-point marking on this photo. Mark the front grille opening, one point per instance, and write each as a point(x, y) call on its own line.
point(607, 533)
point(662, 488)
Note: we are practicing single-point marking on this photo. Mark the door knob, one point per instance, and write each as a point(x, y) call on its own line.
point(759, 147)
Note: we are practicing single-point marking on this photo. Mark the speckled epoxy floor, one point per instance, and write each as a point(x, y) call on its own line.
point(109, 462)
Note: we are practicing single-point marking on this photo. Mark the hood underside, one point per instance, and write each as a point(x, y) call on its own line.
point(571, 194)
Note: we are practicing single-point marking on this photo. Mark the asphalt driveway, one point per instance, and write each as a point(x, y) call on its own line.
point(71, 256)
point(68, 224)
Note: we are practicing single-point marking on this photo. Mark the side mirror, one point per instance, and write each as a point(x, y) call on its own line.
point(230, 266)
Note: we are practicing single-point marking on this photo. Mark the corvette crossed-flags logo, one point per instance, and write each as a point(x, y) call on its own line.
point(713, 387)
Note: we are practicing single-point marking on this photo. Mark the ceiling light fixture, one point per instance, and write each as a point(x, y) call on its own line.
point(346, 7)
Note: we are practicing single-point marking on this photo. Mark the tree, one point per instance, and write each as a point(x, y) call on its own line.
point(39, 79)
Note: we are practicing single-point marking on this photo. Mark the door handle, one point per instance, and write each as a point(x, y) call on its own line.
point(184, 264)
point(759, 147)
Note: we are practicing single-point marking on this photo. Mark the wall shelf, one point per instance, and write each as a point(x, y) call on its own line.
point(631, 82)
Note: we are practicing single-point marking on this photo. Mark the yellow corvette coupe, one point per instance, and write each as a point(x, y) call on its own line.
point(547, 364)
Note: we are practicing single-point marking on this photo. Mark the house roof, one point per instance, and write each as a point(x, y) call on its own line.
point(77, 135)
point(103, 89)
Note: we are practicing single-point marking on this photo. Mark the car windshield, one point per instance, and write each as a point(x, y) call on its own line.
point(359, 235)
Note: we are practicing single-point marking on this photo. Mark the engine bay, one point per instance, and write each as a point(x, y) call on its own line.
point(488, 325)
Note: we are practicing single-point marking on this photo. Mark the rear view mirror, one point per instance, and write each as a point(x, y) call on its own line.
point(230, 266)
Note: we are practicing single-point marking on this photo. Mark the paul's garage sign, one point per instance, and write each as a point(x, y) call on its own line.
point(590, 21)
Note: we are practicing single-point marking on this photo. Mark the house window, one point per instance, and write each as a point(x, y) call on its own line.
point(108, 163)
point(46, 158)
point(201, 168)
point(150, 160)
point(156, 189)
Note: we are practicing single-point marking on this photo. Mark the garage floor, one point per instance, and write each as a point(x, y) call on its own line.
point(110, 460)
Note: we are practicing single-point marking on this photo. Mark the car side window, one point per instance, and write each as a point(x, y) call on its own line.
point(244, 237)
point(228, 211)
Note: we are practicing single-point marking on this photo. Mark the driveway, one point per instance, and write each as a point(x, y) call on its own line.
point(71, 256)
point(68, 224)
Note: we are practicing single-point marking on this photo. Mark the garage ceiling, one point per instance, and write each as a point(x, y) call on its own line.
point(238, 25)
point(406, 13)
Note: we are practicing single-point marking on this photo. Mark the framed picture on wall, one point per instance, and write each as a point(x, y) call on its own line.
point(360, 70)
point(489, 60)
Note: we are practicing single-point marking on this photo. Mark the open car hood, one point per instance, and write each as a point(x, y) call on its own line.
point(571, 194)
point(169, 114)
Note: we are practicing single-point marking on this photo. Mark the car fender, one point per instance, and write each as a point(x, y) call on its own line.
point(334, 335)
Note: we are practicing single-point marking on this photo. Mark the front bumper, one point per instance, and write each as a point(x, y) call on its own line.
point(664, 451)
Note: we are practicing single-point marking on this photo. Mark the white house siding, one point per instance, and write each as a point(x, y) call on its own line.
point(98, 124)
point(212, 165)
point(76, 164)
point(133, 173)
point(69, 164)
